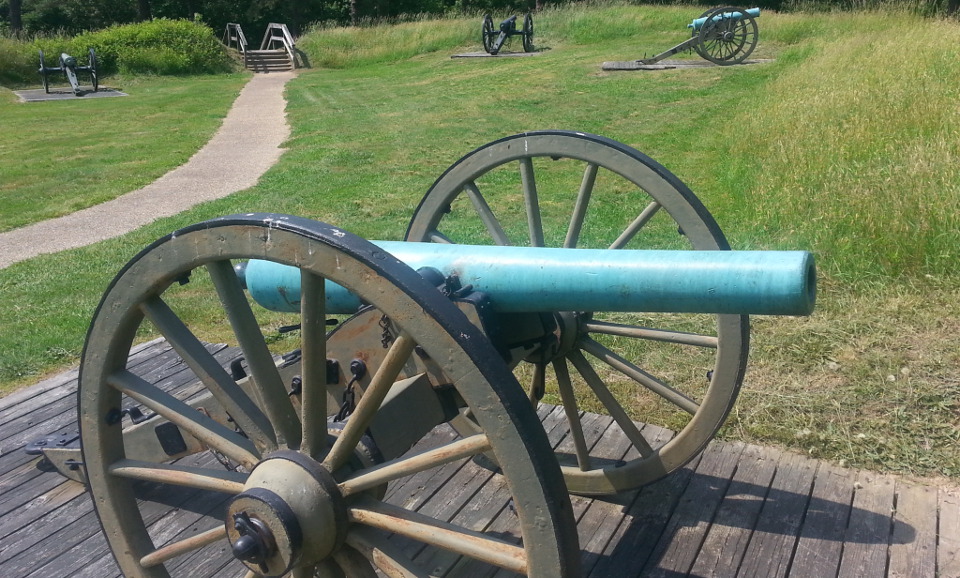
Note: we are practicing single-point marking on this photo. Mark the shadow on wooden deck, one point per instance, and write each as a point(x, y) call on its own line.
point(736, 510)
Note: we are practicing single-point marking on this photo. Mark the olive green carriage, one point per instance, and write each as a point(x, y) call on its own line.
point(314, 438)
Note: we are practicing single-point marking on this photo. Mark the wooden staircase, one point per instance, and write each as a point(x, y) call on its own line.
point(277, 51)
point(268, 60)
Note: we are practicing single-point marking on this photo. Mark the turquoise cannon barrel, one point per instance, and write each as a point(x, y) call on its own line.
point(534, 279)
point(752, 12)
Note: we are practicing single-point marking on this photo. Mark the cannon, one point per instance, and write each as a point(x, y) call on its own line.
point(493, 39)
point(566, 261)
point(725, 35)
point(69, 67)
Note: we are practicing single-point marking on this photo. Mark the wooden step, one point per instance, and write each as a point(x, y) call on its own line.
point(268, 60)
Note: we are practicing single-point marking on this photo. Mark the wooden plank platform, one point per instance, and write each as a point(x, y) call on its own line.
point(736, 510)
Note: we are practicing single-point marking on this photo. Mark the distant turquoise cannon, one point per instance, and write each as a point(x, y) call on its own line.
point(724, 36)
point(537, 279)
point(736, 15)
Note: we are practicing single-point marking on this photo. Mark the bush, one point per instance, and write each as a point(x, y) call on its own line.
point(164, 47)
point(156, 47)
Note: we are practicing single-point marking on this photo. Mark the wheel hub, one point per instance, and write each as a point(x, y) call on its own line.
point(569, 327)
point(290, 514)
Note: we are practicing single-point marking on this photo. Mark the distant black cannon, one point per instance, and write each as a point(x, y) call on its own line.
point(493, 39)
point(725, 35)
point(69, 68)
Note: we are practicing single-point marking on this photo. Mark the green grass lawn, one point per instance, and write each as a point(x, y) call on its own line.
point(63, 156)
point(834, 147)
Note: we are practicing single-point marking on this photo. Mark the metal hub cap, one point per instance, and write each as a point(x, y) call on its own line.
point(287, 496)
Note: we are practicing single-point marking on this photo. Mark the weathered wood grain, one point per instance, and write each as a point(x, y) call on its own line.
point(735, 510)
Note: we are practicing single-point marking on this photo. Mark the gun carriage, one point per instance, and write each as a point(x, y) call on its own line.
point(725, 35)
point(70, 69)
point(645, 319)
point(493, 39)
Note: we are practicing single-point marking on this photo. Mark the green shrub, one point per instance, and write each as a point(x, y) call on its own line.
point(164, 47)
point(156, 47)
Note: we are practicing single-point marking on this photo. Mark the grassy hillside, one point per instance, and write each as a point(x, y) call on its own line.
point(840, 145)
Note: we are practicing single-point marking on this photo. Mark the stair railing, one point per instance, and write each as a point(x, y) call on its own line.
point(279, 34)
point(233, 37)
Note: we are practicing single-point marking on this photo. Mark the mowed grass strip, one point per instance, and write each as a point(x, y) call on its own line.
point(62, 156)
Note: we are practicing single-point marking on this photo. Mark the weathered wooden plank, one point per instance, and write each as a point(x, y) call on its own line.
point(643, 522)
point(421, 485)
point(821, 537)
point(868, 532)
point(680, 542)
point(88, 559)
point(602, 516)
point(34, 515)
point(726, 542)
point(948, 547)
point(23, 396)
point(75, 504)
point(23, 485)
point(913, 544)
point(63, 387)
point(772, 542)
point(489, 505)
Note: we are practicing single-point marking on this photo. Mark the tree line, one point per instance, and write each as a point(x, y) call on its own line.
point(73, 16)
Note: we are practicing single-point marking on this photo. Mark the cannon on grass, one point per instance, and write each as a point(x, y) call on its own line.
point(615, 292)
point(68, 66)
point(725, 35)
point(493, 39)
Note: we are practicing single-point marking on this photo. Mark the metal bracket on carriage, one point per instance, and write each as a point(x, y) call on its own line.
point(59, 453)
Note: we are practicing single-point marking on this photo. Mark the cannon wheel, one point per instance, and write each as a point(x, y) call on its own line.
point(43, 75)
point(343, 517)
point(528, 33)
point(93, 70)
point(727, 41)
point(682, 372)
point(488, 34)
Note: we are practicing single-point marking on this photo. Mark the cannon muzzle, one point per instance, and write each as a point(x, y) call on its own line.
point(537, 279)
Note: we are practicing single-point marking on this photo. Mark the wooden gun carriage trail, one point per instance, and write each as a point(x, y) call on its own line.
point(409, 434)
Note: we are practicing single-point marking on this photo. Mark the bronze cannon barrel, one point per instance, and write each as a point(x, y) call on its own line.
point(532, 279)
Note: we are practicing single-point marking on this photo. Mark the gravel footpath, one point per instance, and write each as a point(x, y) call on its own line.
point(246, 145)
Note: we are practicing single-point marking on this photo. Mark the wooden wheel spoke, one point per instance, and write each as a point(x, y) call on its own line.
point(438, 237)
point(530, 199)
point(640, 376)
point(437, 533)
point(215, 435)
point(580, 208)
point(613, 406)
point(572, 412)
point(486, 215)
point(191, 544)
point(400, 467)
point(313, 348)
point(667, 336)
point(633, 228)
point(273, 394)
point(238, 404)
point(225, 481)
point(388, 558)
point(369, 403)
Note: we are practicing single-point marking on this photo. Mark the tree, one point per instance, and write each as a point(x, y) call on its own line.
point(143, 10)
point(16, 16)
